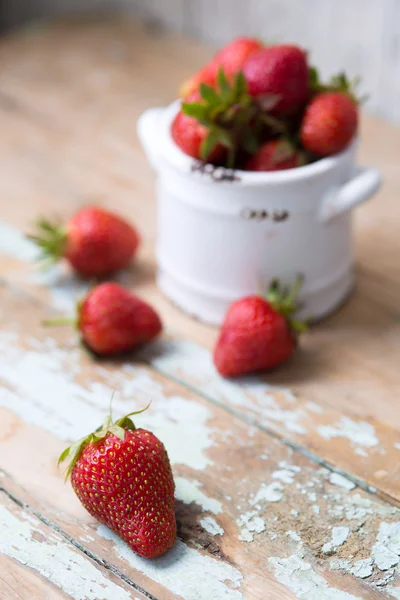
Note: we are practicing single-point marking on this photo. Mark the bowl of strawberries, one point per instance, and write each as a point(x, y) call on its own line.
point(257, 180)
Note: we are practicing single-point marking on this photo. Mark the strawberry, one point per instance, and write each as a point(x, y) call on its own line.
point(111, 320)
point(280, 70)
point(329, 124)
point(207, 74)
point(275, 155)
point(95, 242)
point(231, 58)
point(258, 333)
point(232, 122)
point(122, 476)
point(190, 135)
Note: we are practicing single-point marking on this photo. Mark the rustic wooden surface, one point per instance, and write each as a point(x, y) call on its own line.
point(288, 485)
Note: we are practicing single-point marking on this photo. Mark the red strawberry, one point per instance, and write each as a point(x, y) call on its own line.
point(280, 70)
point(123, 478)
point(231, 58)
point(95, 242)
point(112, 320)
point(257, 333)
point(207, 74)
point(275, 155)
point(329, 123)
point(189, 134)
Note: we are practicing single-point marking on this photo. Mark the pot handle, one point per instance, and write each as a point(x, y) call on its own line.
point(148, 133)
point(365, 183)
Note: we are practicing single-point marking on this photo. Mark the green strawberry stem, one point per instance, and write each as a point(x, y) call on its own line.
point(275, 124)
point(59, 322)
point(62, 321)
point(337, 83)
point(52, 240)
point(233, 118)
point(117, 428)
point(283, 300)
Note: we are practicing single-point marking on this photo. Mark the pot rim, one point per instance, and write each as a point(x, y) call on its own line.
point(174, 156)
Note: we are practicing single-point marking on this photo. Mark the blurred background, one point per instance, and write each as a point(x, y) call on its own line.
point(360, 36)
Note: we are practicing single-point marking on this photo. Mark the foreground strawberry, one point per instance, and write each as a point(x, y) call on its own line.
point(275, 155)
point(123, 478)
point(95, 242)
point(280, 70)
point(111, 320)
point(231, 58)
point(329, 123)
point(258, 333)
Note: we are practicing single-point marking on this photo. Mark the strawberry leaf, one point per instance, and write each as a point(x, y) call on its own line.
point(340, 82)
point(225, 138)
point(250, 142)
point(126, 423)
point(118, 429)
point(284, 301)
point(224, 87)
point(209, 143)
point(273, 123)
point(73, 452)
point(313, 78)
point(64, 455)
point(195, 109)
point(52, 240)
point(209, 94)
point(298, 326)
point(240, 83)
point(337, 83)
point(233, 118)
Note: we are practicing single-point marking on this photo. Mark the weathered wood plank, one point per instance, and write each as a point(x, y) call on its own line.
point(39, 564)
point(338, 437)
point(320, 372)
point(18, 583)
point(245, 501)
point(313, 414)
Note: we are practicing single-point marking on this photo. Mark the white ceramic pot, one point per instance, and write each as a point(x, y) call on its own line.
point(223, 235)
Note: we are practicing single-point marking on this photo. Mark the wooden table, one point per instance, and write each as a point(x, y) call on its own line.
point(287, 486)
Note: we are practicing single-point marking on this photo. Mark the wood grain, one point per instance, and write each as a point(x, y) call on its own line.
point(39, 564)
point(18, 583)
point(241, 481)
point(68, 137)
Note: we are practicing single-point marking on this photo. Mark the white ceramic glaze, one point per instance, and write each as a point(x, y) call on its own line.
point(224, 235)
